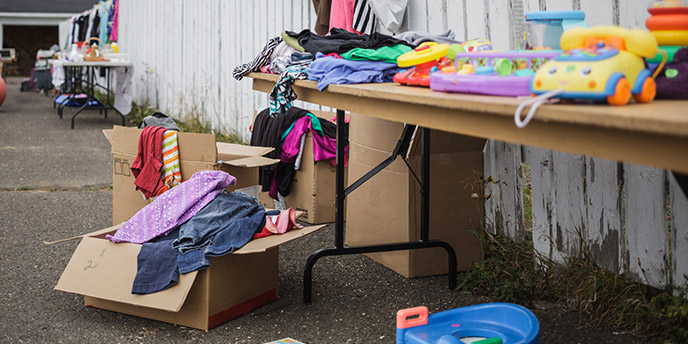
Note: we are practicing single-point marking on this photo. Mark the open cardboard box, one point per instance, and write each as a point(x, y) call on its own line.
point(234, 284)
point(387, 207)
point(196, 152)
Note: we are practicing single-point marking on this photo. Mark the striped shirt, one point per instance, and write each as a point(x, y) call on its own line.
point(171, 172)
point(364, 18)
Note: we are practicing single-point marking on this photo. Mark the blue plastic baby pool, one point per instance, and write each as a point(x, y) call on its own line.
point(489, 323)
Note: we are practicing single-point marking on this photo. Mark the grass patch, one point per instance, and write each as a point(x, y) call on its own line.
point(508, 272)
point(527, 196)
point(194, 123)
point(139, 112)
point(515, 272)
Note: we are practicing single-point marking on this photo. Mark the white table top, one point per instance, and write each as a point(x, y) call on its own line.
point(97, 64)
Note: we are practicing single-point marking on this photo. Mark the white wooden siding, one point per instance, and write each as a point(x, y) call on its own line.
point(629, 219)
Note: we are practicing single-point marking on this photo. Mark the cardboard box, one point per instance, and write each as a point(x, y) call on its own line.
point(234, 284)
point(386, 208)
point(196, 152)
point(313, 188)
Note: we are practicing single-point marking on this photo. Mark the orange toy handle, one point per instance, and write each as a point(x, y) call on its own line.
point(403, 316)
point(661, 64)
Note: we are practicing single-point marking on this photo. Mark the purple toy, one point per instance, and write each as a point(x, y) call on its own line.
point(497, 73)
point(672, 82)
point(491, 84)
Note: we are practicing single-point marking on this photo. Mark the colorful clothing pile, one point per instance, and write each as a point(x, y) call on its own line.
point(328, 70)
point(100, 21)
point(156, 167)
point(340, 41)
point(286, 133)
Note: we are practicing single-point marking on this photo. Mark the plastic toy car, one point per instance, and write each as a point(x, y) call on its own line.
point(603, 63)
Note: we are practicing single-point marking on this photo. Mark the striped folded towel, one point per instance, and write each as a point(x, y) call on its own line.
point(171, 173)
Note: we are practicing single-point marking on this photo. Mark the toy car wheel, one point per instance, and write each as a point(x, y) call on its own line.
point(622, 93)
point(648, 93)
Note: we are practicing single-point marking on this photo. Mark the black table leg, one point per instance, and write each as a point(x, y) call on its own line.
point(82, 108)
point(341, 193)
point(682, 180)
point(90, 88)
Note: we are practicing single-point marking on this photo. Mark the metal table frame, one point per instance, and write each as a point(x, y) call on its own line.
point(82, 76)
point(341, 193)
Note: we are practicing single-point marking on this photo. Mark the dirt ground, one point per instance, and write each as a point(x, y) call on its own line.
point(54, 183)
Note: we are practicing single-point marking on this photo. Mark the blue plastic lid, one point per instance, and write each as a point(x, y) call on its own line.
point(555, 15)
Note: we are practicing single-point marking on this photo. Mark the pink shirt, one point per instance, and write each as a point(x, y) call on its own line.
point(342, 15)
point(324, 148)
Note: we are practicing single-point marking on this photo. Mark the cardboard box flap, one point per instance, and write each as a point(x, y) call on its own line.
point(253, 161)
point(105, 270)
point(262, 244)
point(192, 146)
point(108, 134)
point(232, 151)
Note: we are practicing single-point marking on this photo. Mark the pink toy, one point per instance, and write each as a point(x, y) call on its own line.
point(496, 73)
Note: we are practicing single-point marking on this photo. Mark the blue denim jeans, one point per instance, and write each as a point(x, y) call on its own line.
point(222, 227)
point(156, 265)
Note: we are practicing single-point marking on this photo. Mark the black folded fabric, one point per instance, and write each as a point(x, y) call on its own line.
point(330, 129)
point(340, 41)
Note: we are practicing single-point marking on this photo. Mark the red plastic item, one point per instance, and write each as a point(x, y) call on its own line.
point(403, 316)
point(420, 74)
point(667, 22)
point(668, 10)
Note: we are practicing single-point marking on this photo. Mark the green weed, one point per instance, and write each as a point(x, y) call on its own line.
point(515, 272)
point(195, 125)
point(527, 196)
point(509, 271)
point(191, 124)
point(139, 112)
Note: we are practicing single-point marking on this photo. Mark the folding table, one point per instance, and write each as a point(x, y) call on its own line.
point(654, 134)
point(82, 76)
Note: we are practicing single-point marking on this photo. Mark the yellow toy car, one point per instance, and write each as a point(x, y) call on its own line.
point(602, 63)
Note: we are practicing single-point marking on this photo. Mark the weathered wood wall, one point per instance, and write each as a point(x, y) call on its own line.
point(630, 219)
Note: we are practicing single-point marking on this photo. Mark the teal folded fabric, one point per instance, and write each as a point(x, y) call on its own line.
point(315, 124)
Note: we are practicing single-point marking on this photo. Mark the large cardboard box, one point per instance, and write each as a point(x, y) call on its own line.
point(234, 284)
point(313, 188)
point(196, 152)
point(386, 208)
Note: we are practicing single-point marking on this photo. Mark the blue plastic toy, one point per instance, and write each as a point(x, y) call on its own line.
point(544, 28)
point(491, 323)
